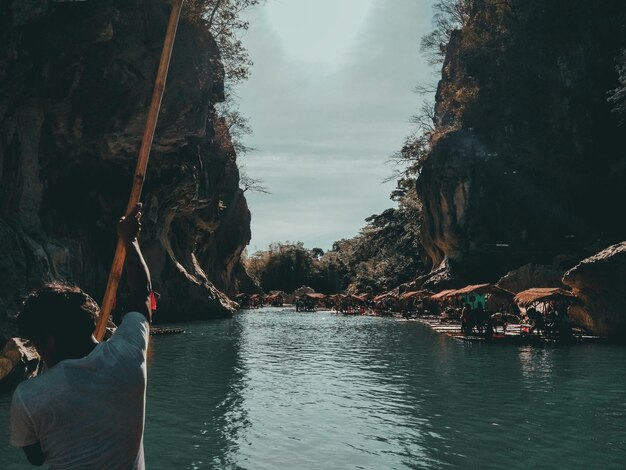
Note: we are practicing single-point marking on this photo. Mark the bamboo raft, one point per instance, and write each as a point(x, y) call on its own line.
point(157, 330)
point(513, 334)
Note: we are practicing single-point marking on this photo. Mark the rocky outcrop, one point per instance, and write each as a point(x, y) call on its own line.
point(530, 276)
point(449, 210)
point(443, 277)
point(600, 282)
point(18, 361)
point(526, 162)
point(75, 84)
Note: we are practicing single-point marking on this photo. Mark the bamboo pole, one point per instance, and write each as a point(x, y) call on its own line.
point(142, 165)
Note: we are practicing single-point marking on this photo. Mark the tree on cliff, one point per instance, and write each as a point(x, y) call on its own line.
point(247, 183)
point(449, 16)
point(409, 159)
point(237, 124)
point(223, 18)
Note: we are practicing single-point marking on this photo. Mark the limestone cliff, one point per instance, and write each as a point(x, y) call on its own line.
point(600, 282)
point(527, 161)
point(75, 84)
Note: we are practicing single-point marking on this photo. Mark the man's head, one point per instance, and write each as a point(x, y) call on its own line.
point(59, 319)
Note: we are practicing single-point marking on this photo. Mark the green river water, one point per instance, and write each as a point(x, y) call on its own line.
point(274, 389)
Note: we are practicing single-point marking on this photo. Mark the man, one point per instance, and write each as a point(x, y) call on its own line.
point(86, 411)
point(465, 314)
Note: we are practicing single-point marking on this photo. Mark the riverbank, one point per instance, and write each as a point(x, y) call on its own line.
point(514, 334)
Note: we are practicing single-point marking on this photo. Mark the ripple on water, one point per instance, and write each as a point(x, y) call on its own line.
point(283, 390)
point(287, 390)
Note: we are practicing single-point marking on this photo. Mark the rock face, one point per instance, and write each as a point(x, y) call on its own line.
point(75, 85)
point(531, 275)
point(600, 281)
point(527, 160)
point(18, 361)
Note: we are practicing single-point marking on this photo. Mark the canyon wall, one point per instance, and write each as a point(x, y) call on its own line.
point(76, 80)
point(527, 161)
point(600, 281)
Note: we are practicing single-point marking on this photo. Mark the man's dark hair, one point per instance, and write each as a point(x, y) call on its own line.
point(59, 310)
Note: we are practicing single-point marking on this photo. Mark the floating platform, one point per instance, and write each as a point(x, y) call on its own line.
point(157, 330)
point(513, 335)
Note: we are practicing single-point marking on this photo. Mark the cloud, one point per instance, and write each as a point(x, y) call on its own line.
point(324, 131)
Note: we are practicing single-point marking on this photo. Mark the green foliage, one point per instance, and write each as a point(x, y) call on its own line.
point(223, 19)
point(450, 15)
point(287, 266)
point(409, 160)
point(284, 266)
point(383, 255)
point(387, 252)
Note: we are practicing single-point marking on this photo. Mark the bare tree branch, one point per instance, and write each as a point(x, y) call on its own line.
point(248, 183)
point(213, 12)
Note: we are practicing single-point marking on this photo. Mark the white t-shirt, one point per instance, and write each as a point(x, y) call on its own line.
point(89, 413)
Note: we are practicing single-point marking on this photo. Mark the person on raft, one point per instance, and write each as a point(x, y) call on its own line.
point(87, 409)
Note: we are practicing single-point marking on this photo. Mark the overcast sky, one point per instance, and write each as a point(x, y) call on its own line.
point(329, 100)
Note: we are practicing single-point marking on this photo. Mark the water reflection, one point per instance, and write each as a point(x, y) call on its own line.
point(195, 412)
point(332, 387)
point(286, 390)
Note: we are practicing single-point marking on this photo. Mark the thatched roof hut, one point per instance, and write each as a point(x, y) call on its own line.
point(439, 296)
point(544, 294)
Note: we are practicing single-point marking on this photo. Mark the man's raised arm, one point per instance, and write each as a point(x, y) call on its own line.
point(137, 272)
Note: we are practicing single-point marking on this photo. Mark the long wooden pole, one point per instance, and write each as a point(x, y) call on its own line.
point(142, 165)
